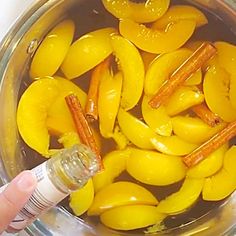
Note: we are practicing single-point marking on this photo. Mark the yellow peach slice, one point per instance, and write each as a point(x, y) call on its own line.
point(230, 161)
point(181, 12)
point(194, 79)
point(232, 90)
point(163, 66)
point(227, 59)
point(148, 11)
point(182, 99)
point(210, 165)
point(132, 67)
point(87, 52)
point(172, 145)
point(153, 164)
point(226, 56)
point(219, 186)
point(135, 130)
point(82, 199)
point(32, 113)
point(223, 183)
point(59, 119)
point(157, 119)
point(193, 129)
point(109, 102)
point(54, 128)
point(144, 137)
point(52, 51)
point(131, 217)
point(114, 164)
point(69, 139)
point(216, 89)
point(183, 199)
point(120, 194)
point(157, 41)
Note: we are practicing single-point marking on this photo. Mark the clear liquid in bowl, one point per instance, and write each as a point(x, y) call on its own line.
point(87, 19)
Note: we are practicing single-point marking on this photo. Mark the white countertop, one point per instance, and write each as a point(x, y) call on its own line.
point(9, 12)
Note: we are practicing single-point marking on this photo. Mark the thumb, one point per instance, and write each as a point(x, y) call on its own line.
point(15, 196)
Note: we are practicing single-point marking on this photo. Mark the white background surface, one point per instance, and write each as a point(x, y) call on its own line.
point(10, 10)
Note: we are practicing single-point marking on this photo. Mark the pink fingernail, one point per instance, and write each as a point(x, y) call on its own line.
point(26, 181)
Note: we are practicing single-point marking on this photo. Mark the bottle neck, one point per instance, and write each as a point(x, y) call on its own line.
point(70, 169)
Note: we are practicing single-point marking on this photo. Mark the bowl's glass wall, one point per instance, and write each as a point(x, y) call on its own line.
point(15, 53)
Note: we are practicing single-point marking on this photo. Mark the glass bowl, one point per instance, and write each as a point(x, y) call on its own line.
point(15, 53)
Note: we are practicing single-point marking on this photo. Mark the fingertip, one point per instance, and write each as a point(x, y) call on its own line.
point(15, 196)
point(26, 181)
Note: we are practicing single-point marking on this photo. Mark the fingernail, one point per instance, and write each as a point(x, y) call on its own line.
point(26, 181)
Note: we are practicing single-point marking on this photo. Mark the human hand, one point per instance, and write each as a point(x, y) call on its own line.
point(15, 196)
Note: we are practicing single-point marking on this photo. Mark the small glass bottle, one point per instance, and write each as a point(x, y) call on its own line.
point(66, 171)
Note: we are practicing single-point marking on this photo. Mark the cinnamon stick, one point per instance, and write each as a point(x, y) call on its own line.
point(91, 107)
point(206, 115)
point(191, 65)
point(81, 124)
point(211, 145)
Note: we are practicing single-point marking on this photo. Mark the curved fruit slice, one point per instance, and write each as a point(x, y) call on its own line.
point(194, 79)
point(232, 91)
point(32, 113)
point(210, 165)
point(109, 102)
point(69, 139)
point(173, 145)
point(223, 183)
point(226, 56)
point(131, 217)
point(183, 199)
point(181, 12)
point(135, 130)
point(148, 11)
point(216, 89)
point(157, 119)
point(132, 67)
point(194, 130)
point(182, 99)
point(153, 164)
point(157, 41)
point(163, 66)
point(120, 194)
point(219, 186)
point(82, 199)
point(230, 161)
point(59, 120)
point(144, 137)
point(87, 52)
point(114, 164)
point(52, 51)
point(227, 59)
